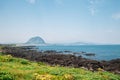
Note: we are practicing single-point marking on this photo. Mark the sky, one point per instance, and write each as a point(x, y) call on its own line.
point(60, 21)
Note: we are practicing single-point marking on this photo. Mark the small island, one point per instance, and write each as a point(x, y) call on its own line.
point(35, 40)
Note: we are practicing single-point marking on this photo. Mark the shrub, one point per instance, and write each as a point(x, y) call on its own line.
point(6, 76)
point(25, 62)
point(5, 58)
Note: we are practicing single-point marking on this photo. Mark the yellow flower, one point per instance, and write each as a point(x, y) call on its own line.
point(68, 77)
point(43, 76)
point(100, 69)
point(105, 77)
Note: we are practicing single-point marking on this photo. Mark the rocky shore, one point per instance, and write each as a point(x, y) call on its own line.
point(54, 58)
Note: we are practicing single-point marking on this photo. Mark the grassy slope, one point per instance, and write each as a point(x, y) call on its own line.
point(20, 69)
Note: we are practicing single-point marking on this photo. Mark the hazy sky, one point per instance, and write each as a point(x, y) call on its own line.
point(60, 21)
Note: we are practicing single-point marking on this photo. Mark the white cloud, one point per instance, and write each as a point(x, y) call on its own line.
point(116, 16)
point(92, 10)
point(93, 6)
point(31, 1)
point(60, 2)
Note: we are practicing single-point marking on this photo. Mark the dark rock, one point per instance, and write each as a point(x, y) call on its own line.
point(50, 51)
point(67, 51)
point(89, 54)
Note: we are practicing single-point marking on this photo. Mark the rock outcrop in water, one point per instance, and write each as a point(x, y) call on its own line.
point(35, 40)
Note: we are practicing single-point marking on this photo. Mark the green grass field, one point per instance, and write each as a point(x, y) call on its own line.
point(20, 69)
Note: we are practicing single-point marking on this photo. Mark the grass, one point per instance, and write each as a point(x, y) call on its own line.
point(21, 69)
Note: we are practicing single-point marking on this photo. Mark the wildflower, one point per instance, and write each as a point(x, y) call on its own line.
point(68, 77)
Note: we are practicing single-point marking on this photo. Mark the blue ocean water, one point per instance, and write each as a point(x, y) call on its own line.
point(102, 52)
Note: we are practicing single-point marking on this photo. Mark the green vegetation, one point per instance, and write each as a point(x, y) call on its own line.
point(20, 69)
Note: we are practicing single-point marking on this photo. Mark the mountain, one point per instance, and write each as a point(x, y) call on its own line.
point(35, 40)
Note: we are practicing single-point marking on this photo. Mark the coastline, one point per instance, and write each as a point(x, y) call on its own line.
point(53, 58)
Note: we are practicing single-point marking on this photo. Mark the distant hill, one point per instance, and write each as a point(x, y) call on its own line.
point(76, 44)
point(82, 43)
point(35, 40)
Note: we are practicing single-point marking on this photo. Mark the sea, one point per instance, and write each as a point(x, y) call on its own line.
point(102, 52)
